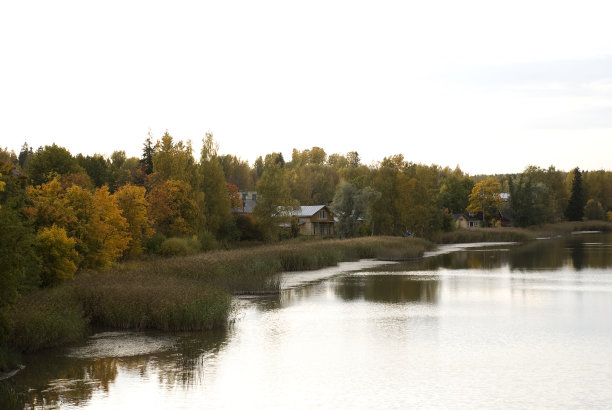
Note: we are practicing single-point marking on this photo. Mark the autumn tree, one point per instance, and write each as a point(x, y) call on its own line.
point(58, 255)
point(132, 202)
point(486, 198)
point(100, 230)
point(172, 209)
point(234, 196)
point(174, 160)
point(575, 206)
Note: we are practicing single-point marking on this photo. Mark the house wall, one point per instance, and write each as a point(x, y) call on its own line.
point(461, 223)
point(319, 225)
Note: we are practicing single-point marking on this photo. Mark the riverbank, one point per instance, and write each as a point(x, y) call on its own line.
point(181, 293)
point(518, 234)
point(195, 292)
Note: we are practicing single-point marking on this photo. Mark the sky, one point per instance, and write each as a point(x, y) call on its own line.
point(490, 86)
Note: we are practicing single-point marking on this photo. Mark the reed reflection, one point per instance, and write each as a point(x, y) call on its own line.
point(387, 289)
point(52, 378)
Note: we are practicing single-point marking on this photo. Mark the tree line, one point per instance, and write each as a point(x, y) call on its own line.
point(62, 212)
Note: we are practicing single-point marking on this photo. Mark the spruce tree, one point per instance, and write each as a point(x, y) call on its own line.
point(575, 206)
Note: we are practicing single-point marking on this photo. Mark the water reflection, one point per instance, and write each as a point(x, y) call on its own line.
point(387, 288)
point(527, 309)
point(66, 376)
point(576, 252)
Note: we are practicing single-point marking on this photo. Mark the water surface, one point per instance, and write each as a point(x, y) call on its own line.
point(505, 327)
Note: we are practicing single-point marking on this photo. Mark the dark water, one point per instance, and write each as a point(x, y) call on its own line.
point(525, 326)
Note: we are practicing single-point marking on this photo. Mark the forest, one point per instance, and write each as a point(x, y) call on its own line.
point(62, 213)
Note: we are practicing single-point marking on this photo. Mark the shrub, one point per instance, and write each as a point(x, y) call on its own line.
point(207, 241)
point(179, 247)
point(154, 243)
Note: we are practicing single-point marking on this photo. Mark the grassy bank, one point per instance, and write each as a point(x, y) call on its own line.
point(181, 293)
point(484, 235)
point(518, 234)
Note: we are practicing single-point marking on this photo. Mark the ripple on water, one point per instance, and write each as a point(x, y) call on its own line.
point(122, 344)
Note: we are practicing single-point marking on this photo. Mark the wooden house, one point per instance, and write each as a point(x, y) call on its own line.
point(468, 220)
point(315, 220)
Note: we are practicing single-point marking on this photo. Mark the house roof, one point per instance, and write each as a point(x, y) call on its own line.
point(308, 210)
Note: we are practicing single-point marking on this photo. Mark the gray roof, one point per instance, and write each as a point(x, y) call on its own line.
point(309, 210)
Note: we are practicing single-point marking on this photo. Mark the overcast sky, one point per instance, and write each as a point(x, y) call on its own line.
point(490, 86)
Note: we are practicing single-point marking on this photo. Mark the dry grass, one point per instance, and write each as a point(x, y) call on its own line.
point(484, 235)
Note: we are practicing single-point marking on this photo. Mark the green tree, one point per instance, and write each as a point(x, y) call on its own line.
point(575, 206)
point(25, 153)
point(593, 210)
point(148, 152)
point(528, 202)
point(97, 167)
point(51, 161)
point(352, 207)
point(217, 205)
point(486, 198)
point(19, 264)
point(274, 202)
point(455, 192)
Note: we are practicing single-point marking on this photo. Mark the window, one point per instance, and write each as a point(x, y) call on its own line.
point(322, 215)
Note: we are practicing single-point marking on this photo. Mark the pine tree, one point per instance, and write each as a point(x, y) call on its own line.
point(575, 206)
point(146, 162)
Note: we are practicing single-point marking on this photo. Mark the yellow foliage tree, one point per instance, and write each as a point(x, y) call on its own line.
point(106, 231)
point(57, 253)
point(133, 205)
point(93, 220)
point(172, 209)
point(485, 198)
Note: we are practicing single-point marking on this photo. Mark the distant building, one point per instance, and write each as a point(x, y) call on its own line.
point(249, 198)
point(468, 220)
point(315, 220)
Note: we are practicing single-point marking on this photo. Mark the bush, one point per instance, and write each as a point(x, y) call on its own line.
point(207, 241)
point(179, 247)
point(154, 243)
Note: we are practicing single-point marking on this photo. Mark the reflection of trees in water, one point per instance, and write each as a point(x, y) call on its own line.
point(579, 252)
point(388, 288)
point(56, 378)
point(52, 378)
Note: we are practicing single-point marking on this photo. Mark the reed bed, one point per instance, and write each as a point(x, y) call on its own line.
point(47, 318)
point(182, 293)
point(564, 228)
point(473, 235)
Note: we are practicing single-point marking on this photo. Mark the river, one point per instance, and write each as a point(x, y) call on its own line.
point(507, 326)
